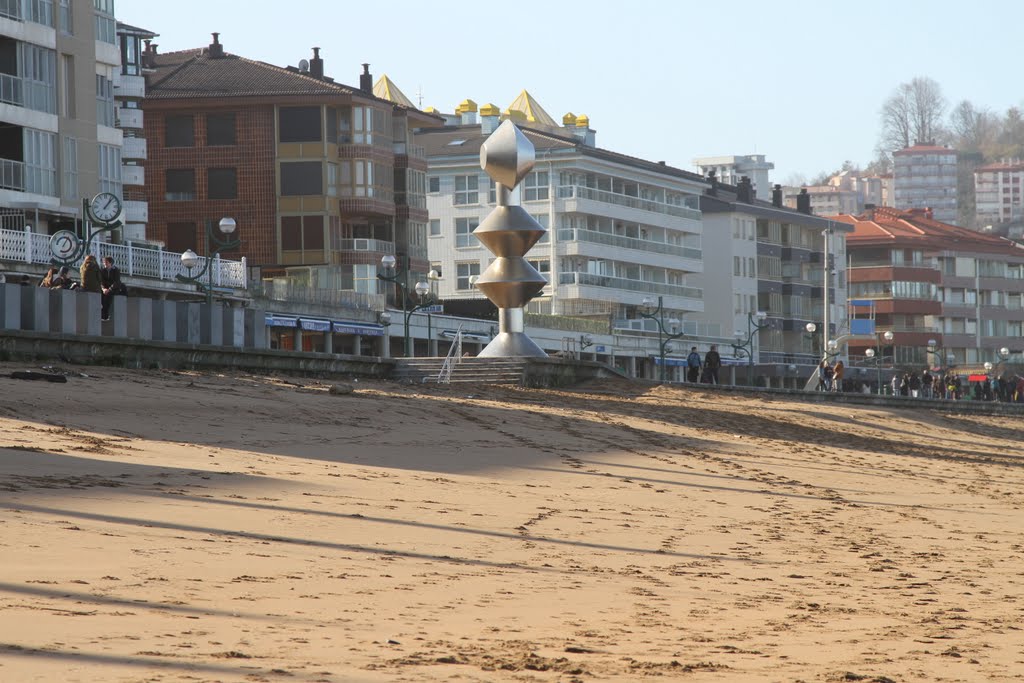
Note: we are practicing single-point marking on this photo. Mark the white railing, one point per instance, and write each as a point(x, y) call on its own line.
point(454, 356)
point(25, 246)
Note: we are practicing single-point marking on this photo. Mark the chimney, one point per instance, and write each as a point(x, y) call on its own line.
point(216, 49)
point(745, 191)
point(366, 80)
point(713, 179)
point(316, 65)
point(928, 213)
point(777, 196)
point(803, 201)
point(869, 211)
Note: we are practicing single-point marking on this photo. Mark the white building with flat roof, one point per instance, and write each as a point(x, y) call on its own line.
point(731, 169)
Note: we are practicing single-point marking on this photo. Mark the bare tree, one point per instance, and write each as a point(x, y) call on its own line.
point(912, 114)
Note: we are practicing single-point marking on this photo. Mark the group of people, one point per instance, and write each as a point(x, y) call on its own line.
point(703, 370)
point(105, 280)
point(830, 377)
point(951, 386)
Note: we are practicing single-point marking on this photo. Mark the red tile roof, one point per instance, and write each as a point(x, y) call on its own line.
point(194, 74)
point(1001, 166)
point(914, 229)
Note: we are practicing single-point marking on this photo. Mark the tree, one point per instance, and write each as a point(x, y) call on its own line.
point(912, 114)
point(974, 130)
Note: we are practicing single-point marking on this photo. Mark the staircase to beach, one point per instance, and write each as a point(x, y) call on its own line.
point(468, 371)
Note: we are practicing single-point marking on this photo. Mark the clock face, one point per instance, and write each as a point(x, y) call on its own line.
point(105, 206)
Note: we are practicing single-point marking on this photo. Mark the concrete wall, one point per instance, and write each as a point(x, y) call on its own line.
point(77, 313)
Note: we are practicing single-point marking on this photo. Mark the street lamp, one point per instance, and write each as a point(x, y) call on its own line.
point(741, 347)
point(647, 310)
point(420, 297)
point(214, 245)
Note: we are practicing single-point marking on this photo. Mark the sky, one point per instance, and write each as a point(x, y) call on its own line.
point(800, 82)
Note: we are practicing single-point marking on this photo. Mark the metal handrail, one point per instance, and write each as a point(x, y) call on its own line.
point(454, 356)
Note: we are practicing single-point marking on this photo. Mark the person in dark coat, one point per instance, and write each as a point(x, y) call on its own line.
point(712, 362)
point(90, 274)
point(110, 283)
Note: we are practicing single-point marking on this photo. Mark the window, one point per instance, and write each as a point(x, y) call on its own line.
point(110, 169)
point(736, 265)
point(38, 70)
point(67, 86)
point(332, 179)
point(543, 266)
point(40, 162)
point(104, 100)
point(299, 124)
point(301, 178)
point(179, 131)
point(180, 185)
point(131, 61)
point(433, 185)
point(105, 27)
point(39, 12)
point(464, 271)
point(464, 228)
point(302, 233)
point(70, 165)
point(222, 183)
point(535, 187)
point(66, 23)
point(181, 237)
point(220, 130)
point(466, 187)
point(435, 227)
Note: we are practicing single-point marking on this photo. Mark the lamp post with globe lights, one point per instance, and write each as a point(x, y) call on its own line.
point(422, 294)
point(741, 347)
point(657, 314)
point(214, 245)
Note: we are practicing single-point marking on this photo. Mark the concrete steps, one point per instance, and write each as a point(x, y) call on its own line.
point(468, 371)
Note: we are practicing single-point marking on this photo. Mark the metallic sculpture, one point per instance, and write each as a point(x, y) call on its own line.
point(509, 232)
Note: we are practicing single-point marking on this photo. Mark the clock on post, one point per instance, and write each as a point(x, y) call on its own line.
point(105, 207)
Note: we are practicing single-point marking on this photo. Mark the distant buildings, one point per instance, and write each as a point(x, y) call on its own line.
point(58, 141)
point(847, 192)
point(925, 177)
point(997, 192)
point(730, 169)
point(930, 280)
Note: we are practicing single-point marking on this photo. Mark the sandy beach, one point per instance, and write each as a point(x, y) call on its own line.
point(177, 526)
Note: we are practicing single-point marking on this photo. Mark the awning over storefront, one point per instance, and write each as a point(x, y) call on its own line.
point(315, 325)
point(274, 320)
point(364, 329)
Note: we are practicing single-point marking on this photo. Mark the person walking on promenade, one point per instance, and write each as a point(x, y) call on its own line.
point(712, 363)
point(693, 365)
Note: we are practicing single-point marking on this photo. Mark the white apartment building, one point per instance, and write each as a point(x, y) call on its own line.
point(620, 229)
point(58, 142)
point(925, 177)
point(129, 92)
point(731, 169)
point(997, 192)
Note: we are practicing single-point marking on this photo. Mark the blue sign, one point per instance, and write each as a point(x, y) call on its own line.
point(433, 308)
point(599, 349)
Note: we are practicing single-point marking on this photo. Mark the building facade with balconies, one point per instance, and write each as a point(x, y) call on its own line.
point(58, 141)
point(930, 280)
point(925, 177)
point(619, 229)
point(129, 92)
point(320, 177)
point(999, 192)
point(765, 257)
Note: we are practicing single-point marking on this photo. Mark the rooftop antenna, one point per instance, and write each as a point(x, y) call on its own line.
point(419, 97)
point(303, 65)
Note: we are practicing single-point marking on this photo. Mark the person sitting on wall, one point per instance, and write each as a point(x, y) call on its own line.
point(62, 280)
point(110, 283)
point(47, 280)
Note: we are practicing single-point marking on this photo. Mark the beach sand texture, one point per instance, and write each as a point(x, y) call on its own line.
point(174, 526)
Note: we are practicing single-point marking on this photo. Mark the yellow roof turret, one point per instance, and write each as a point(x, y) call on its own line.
point(515, 115)
point(431, 110)
point(583, 121)
point(569, 119)
point(465, 107)
point(490, 110)
point(530, 110)
point(386, 89)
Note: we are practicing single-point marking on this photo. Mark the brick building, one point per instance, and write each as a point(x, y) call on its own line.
point(935, 281)
point(320, 177)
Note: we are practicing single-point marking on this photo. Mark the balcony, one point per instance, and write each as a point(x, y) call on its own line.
point(133, 175)
point(129, 86)
point(129, 118)
point(134, 148)
point(605, 197)
point(136, 212)
point(12, 175)
point(11, 90)
point(377, 246)
point(622, 242)
point(593, 280)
